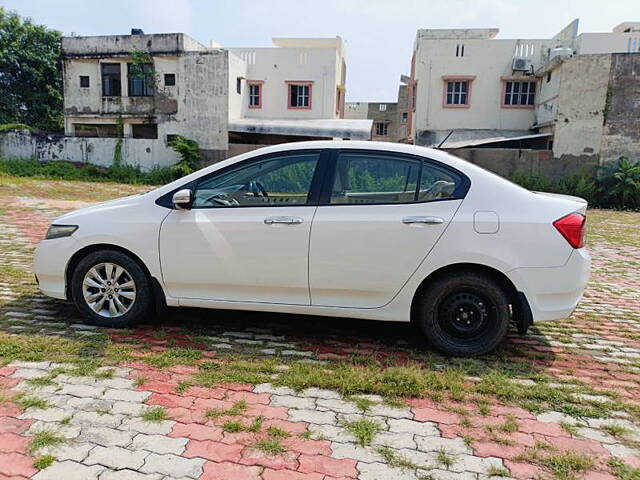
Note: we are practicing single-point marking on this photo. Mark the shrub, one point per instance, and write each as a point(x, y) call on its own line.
point(10, 127)
point(617, 185)
point(189, 152)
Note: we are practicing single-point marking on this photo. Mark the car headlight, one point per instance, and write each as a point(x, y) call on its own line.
point(59, 231)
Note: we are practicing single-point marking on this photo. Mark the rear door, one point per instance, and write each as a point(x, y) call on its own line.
point(380, 215)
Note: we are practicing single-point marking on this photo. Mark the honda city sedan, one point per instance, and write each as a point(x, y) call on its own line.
point(364, 230)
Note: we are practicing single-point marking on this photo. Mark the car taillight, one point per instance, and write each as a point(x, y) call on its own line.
point(573, 229)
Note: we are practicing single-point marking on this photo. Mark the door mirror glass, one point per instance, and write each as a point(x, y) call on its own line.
point(182, 198)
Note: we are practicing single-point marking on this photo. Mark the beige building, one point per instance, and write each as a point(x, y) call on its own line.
point(471, 88)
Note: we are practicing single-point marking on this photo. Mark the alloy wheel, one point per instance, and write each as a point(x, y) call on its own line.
point(109, 289)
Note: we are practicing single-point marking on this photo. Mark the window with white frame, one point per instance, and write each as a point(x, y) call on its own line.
point(299, 95)
point(382, 107)
point(404, 117)
point(255, 95)
point(519, 93)
point(381, 129)
point(457, 92)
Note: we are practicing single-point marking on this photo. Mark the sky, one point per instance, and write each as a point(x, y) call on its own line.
point(379, 34)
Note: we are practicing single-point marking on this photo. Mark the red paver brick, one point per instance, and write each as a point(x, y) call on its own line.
point(286, 461)
point(195, 431)
point(169, 400)
point(249, 397)
point(491, 449)
point(598, 476)
point(434, 415)
point(579, 444)
point(333, 467)
point(7, 370)
point(308, 447)
point(16, 464)
point(14, 425)
point(290, 475)
point(159, 387)
point(524, 471)
point(550, 429)
point(229, 471)
point(12, 442)
point(202, 392)
point(211, 450)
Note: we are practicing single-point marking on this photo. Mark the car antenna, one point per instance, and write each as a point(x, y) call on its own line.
point(445, 139)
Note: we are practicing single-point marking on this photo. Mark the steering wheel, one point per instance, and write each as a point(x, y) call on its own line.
point(257, 189)
point(222, 199)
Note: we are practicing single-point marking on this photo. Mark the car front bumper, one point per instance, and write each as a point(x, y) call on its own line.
point(553, 293)
point(50, 263)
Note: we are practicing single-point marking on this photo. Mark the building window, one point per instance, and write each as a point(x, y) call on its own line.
point(255, 95)
point(238, 85)
point(460, 50)
point(169, 79)
point(144, 130)
point(141, 79)
point(111, 80)
point(457, 92)
point(381, 129)
point(404, 117)
point(84, 81)
point(548, 77)
point(519, 94)
point(382, 107)
point(300, 95)
point(99, 130)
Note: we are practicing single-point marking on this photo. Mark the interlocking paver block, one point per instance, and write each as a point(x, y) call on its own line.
point(71, 451)
point(69, 470)
point(116, 458)
point(159, 444)
point(425, 429)
point(312, 416)
point(173, 465)
point(151, 428)
point(107, 437)
point(96, 418)
point(125, 395)
point(129, 475)
point(381, 471)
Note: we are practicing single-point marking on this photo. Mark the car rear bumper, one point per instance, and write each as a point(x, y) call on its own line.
point(553, 293)
point(50, 262)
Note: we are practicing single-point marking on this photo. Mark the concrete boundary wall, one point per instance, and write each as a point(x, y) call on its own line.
point(147, 153)
point(508, 162)
point(144, 153)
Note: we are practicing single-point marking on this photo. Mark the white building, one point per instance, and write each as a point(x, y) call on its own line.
point(295, 89)
point(155, 86)
point(484, 88)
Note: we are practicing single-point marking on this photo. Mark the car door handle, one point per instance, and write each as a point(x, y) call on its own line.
point(285, 220)
point(427, 220)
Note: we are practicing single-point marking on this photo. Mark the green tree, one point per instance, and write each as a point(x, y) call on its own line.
point(30, 79)
point(620, 182)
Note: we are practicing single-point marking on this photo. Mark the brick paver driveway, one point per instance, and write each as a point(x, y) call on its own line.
point(222, 395)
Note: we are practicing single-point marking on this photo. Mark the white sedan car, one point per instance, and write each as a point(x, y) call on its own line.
point(364, 230)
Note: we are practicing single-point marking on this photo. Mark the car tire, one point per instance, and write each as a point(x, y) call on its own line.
point(119, 282)
point(464, 314)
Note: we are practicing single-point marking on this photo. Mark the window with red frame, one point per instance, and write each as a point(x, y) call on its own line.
point(457, 92)
point(299, 95)
point(255, 95)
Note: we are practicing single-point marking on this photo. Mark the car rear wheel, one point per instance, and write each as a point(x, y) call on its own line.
point(464, 314)
point(111, 289)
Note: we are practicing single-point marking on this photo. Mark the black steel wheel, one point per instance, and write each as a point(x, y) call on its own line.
point(464, 314)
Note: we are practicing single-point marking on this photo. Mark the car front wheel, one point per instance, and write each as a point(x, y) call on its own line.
point(111, 289)
point(464, 314)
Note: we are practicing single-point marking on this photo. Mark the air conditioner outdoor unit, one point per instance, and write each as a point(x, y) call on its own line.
point(521, 65)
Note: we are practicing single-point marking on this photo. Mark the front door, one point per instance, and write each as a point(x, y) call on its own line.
point(246, 237)
point(383, 215)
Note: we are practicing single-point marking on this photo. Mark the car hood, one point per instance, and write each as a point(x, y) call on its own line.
point(109, 205)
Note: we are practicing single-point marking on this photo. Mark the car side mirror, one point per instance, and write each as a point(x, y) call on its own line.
point(182, 199)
